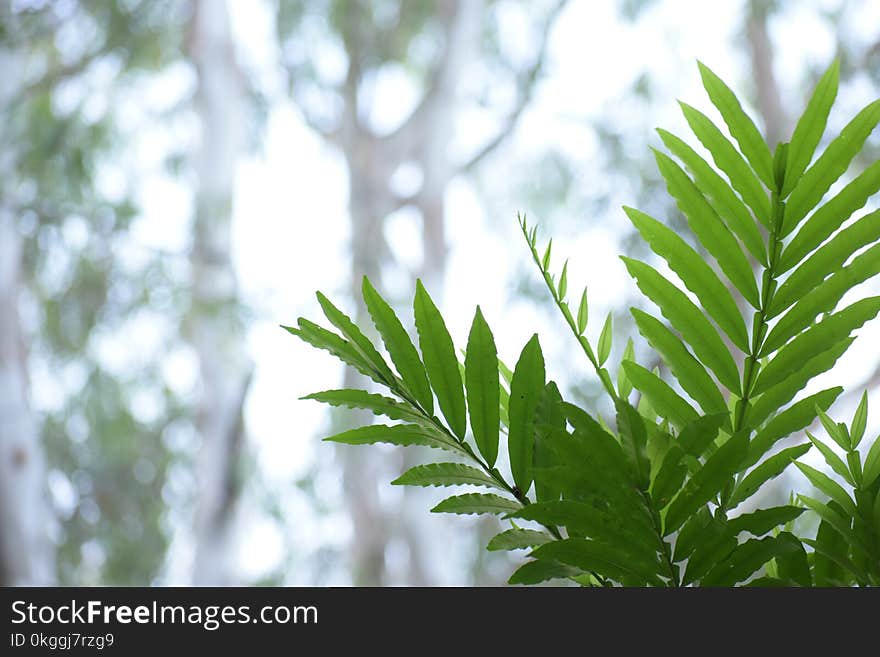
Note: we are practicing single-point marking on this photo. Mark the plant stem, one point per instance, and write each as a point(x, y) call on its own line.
point(566, 312)
point(490, 471)
point(759, 326)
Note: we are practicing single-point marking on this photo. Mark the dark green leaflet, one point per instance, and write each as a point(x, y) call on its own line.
point(445, 474)
point(483, 387)
point(476, 504)
point(355, 337)
point(662, 397)
point(440, 361)
point(526, 388)
point(401, 349)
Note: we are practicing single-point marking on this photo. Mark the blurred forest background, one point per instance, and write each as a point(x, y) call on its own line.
point(178, 177)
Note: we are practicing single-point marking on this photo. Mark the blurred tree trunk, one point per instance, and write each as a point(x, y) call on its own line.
point(421, 143)
point(213, 325)
point(26, 549)
point(26, 552)
point(767, 96)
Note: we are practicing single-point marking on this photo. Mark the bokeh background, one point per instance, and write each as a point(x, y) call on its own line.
point(178, 177)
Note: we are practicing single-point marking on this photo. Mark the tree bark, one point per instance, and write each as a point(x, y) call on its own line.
point(26, 548)
point(213, 326)
point(768, 98)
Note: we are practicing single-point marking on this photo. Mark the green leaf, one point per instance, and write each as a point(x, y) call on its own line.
point(634, 438)
point(483, 387)
point(716, 543)
point(828, 486)
point(709, 228)
point(830, 559)
point(604, 347)
point(697, 276)
point(698, 436)
point(871, 469)
point(762, 521)
point(562, 288)
point(526, 388)
point(591, 556)
point(585, 519)
point(399, 345)
point(741, 127)
point(836, 519)
point(830, 216)
point(378, 404)
point(748, 557)
point(692, 533)
point(708, 481)
point(794, 418)
point(764, 472)
point(719, 194)
point(688, 320)
point(690, 373)
point(810, 127)
point(321, 338)
point(545, 261)
point(779, 395)
point(598, 464)
point(794, 566)
point(445, 474)
point(730, 162)
point(830, 330)
point(827, 260)
point(583, 313)
point(837, 431)
point(624, 385)
point(477, 504)
point(832, 459)
point(535, 572)
point(662, 397)
point(356, 338)
point(549, 416)
point(518, 539)
point(670, 477)
point(780, 156)
point(693, 440)
point(818, 179)
point(823, 298)
point(860, 421)
point(399, 434)
point(440, 361)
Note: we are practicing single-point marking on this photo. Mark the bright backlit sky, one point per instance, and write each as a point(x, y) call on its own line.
point(290, 221)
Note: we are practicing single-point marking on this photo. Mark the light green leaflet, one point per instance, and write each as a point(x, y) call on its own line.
point(687, 320)
point(697, 276)
point(810, 127)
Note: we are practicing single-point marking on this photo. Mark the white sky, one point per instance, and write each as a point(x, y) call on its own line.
point(291, 222)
